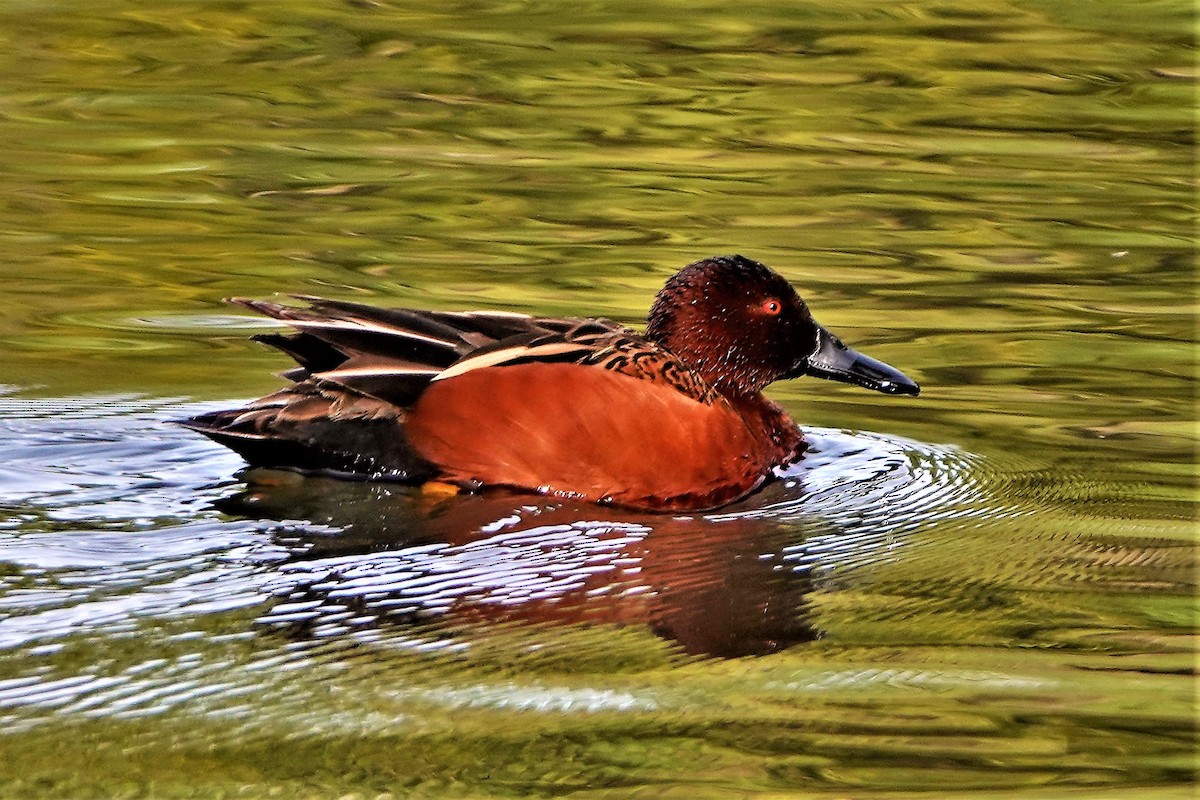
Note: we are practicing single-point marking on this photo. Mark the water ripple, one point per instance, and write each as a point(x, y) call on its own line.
point(117, 521)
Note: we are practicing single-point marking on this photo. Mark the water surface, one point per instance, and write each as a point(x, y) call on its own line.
point(984, 591)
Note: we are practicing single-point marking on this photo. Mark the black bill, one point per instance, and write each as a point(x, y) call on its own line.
point(835, 361)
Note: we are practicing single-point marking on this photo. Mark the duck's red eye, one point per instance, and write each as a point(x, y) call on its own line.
point(772, 307)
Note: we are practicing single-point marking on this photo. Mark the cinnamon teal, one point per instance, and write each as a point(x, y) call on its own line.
point(670, 420)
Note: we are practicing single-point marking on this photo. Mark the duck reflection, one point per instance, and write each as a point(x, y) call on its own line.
point(374, 554)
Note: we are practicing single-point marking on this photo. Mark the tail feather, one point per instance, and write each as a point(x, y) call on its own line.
point(373, 447)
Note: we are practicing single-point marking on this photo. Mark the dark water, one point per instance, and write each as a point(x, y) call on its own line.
point(985, 591)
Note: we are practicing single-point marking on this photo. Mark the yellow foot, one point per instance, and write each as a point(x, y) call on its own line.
point(436, 490)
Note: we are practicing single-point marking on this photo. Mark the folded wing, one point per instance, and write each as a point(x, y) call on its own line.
point(359, 369)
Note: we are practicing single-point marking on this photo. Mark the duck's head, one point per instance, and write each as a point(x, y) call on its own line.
point(741, 326)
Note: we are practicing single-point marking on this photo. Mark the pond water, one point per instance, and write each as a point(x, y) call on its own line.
point(984, 591)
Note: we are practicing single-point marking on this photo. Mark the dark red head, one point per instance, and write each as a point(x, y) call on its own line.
point(741, 326)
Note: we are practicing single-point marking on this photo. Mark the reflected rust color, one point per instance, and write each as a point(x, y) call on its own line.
point(712, 588)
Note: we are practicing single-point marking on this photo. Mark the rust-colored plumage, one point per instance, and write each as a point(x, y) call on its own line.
point(672, 420)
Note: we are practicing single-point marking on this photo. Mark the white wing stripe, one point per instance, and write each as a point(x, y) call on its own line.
point(508, 354)
point(359, 372)
point(363, 326)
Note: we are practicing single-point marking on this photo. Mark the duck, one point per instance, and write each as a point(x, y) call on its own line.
point(672, 419)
